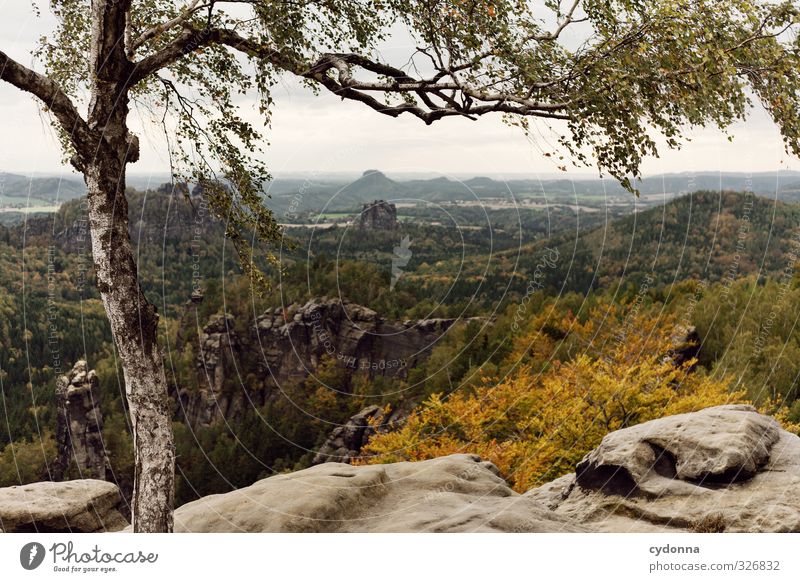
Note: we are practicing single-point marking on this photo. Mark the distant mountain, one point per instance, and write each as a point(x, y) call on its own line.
point(291, 198)
point(371, 185)
point(39, 189)
point(791, 192)
point(312, 196)
point(767, 184)
point(764, 184)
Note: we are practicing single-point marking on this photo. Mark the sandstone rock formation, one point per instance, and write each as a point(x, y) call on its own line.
point(378, 215)
point(296, 339)
point(449, 494)
point(685, 344)
point(288, 344)
point(156, 219)
point(214, 397)
point(726, 468)
point(86, 505)
point(79, 424)
point(345, 442)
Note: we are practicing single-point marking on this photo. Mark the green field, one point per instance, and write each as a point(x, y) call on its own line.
point(333, 215)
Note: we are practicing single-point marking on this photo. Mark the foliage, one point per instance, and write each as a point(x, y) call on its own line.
point(280, 436)
point(749, 330)
point(709, 236)
point(549, 344)
point(25, 461)
point(644, 69)
point(536, 425)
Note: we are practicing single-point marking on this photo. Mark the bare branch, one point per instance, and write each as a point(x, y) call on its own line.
point(347, 87)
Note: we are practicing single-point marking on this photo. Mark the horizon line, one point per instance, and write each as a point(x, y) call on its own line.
point(346, 174)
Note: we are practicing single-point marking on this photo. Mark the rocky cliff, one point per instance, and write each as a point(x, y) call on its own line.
point(156, 218)
point(294, 340)
point(378, 215)
point(216, 394)
point(288, 344)
point(79, 425)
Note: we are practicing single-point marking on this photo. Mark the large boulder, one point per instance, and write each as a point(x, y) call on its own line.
point(458, 493)
point(85, 505)
point(726, 468)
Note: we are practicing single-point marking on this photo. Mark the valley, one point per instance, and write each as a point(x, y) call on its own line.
point(508, 295)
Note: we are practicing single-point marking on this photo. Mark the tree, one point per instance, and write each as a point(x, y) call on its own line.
point(643, 68)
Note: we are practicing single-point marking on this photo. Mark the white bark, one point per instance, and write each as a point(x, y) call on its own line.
point(134, 325)
point(134, 321)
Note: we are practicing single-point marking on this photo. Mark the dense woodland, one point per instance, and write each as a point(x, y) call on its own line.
point(576, 319)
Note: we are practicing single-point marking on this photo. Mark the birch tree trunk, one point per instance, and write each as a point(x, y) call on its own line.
point(134, 321)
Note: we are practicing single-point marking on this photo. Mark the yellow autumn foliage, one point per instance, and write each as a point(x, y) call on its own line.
point(538, 422)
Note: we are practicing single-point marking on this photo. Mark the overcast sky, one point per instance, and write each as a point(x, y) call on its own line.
point(323, 134)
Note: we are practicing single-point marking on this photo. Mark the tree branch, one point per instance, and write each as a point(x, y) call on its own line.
point(192, 39)
point(568, 19)
point(334, 71)
point(51, 95)
point(157, 30)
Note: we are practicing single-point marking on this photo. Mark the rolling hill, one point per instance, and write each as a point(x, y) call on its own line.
point(39, 189)
point(709, 236)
